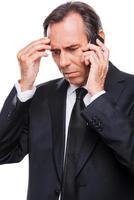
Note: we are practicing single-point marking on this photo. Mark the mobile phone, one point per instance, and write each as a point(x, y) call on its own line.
point(96, 36)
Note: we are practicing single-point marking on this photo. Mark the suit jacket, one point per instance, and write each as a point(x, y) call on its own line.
point(105, 169)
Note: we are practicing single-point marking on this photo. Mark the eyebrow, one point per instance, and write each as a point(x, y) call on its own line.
point(70, 46)
point(54, 49)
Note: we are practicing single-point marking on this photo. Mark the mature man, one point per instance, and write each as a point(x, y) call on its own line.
point(80, 141)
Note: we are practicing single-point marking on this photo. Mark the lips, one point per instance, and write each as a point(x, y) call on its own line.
point(71, 74)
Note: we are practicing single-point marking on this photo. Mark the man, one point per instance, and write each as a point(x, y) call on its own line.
point(94, 161)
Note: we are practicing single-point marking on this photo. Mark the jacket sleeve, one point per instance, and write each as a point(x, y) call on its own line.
point(114, 126)
point(13, 129)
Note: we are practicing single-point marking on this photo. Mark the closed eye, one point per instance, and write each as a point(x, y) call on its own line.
point(72, 49)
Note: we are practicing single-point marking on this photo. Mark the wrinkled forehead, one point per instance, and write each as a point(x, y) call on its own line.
point(70, 29)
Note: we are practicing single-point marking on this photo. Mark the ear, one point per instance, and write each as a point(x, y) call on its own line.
point(102, 34)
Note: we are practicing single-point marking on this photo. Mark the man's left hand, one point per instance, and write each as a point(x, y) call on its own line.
point(96, 57)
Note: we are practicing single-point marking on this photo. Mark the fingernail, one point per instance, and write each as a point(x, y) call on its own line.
point(47, 52)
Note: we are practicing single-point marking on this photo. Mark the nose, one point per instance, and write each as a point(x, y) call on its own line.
point(64, 60)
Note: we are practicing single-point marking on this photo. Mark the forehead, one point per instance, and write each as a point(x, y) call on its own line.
point(70, 29)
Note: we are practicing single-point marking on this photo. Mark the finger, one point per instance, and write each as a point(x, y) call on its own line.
point(88, 55)
point(31, 45)
point(93, 47)
point(42, 41)
point(104, 49)
point(39, 47)
point(106, 53)
point(100, 43)
point(37, 55)
point(89, 47)
point(103, 54)
point(97, 70)
point(100, 49)
point(97, 57)
point(97, 50)
point(101, 67)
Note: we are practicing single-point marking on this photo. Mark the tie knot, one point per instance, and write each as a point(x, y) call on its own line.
point(80, 93)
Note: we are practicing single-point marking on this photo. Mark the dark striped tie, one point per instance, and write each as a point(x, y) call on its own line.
point(77, 127)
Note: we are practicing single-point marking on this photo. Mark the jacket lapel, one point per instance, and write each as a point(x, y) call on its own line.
point(58, 112)
point(114, 85)
point(115, 82)
point(88, 146)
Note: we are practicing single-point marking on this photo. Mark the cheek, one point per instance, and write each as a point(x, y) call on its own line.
point(76, 60)
point(83, 69)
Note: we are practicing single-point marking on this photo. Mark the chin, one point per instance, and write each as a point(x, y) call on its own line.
point(77, 82)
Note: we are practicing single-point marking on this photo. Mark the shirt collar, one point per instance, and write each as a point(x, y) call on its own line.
point(72, 88)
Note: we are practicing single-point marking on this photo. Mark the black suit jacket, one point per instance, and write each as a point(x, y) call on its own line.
point(105, 169)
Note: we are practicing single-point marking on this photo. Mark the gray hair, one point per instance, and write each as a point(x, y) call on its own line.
point(90, 18)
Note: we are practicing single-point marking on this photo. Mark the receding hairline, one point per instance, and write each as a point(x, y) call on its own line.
point(90, 18)
point(71, 12)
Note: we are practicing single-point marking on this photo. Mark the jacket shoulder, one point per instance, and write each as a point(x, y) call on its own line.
point(49, 84)
point(48, 88)
point(115, 74)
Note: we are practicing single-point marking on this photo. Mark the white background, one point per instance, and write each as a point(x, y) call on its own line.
point(21, 23)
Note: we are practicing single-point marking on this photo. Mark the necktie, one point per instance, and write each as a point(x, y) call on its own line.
point(76, 130)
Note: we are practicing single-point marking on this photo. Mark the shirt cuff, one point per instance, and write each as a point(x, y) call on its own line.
point(25, 95)
point(97, 95)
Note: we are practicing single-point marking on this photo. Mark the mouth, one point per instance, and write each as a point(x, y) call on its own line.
point(71, 74)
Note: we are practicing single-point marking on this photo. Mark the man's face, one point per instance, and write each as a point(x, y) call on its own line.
point(66, 39)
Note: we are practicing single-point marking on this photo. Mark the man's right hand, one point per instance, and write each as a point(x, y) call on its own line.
point(29, 60)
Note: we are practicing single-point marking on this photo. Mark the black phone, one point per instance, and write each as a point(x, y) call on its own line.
point(96, 36)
